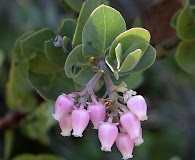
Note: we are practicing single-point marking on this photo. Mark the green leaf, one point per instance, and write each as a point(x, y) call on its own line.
point(50, 86)
point(146, 60)
point(75, 4)
point(99, 32)
point(132, 39)
point(67, 28)
point(131, 61)
point(90, 51)
point(185, 56)
point(78, 67)
point(36, 125)
point(66, 45)
point(44, 75)
point(41, 65)
point(18, 92)
point(118, 51)
point(174, 18)
point(78, 87)
point(110, 63)
point(17, 46)
point(35, 42)
point(186, 23)
point(112, 66)
point(55, 54)
point(22, 63)
point(87, 9)
point(84, 75)
point(133, 80)
point(37, 157)
point(74, 58)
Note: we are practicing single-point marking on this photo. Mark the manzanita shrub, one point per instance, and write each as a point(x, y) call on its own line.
point(87, 67)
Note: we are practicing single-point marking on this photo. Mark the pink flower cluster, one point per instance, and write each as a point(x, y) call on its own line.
point(123, 126)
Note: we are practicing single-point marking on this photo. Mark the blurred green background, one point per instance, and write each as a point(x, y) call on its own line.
point(169, 133)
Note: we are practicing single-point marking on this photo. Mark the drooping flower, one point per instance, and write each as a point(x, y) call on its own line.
point(97, 113)
point(63, 105)
point(138, 106)
point(130, 124)
point(138, 141)
point(107, 134)
point(80, 119)
point(125, 145)
point(65, 125)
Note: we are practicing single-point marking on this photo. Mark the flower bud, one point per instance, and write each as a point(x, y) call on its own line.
point(80, 120)
point(128, 94)
point(65, 125)
point(138, 106)
point(97, 113)
point(130, 124)
point(125, 145)
point(63, 105)
point(107, 134)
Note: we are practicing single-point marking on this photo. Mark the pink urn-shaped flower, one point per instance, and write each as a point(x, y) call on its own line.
point(107, 134)
point(130, 124)
point(63, 105)
point(138, 141)
point(97, 113)
point(80, 120)
point(138, 106)
point(125, 145)
point(65, 125)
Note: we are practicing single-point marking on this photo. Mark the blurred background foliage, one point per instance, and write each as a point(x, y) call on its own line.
point(27, 130)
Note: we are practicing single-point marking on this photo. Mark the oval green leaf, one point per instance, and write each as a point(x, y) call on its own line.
point(66, 45)
point(86, 10)
point(35, 42)
point(174, 18)
point(42, 65)
point(78, 67)
point(185, 56)
point(131, 61)
point(133, 80)
point(146, 60)
point(18, 91)
point(186, 23)
point(118, 51)
point(132, 39)
point(67, 28)
point(55, 54)
point(102, 27)
point(50, 86)
point(112, 66)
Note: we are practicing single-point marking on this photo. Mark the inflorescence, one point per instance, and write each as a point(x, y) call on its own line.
point(117, 115)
